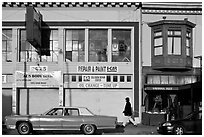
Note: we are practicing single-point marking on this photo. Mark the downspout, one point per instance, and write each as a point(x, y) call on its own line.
point(140, 62)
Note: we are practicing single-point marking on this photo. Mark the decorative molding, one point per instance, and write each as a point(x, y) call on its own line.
point(170, 11)
point(147, 8)
point(70, 4)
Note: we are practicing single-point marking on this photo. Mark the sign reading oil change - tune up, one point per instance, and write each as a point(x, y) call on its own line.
point(31, 79)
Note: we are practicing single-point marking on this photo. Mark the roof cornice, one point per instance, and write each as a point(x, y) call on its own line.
point(70, 4)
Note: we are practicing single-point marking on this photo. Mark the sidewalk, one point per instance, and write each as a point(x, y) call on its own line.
point(140, 129)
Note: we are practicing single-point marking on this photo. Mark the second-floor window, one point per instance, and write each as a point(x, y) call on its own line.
point(49, 45)
point(98, 42)
point(27, 53)
point(48, 51)
point(75, 45)
point(6, 45)
point(174, 42)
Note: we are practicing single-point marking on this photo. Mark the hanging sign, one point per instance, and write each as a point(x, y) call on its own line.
point(37, 79)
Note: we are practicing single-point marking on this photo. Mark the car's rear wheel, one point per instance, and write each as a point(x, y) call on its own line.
point(178, 130)
point(88, 129)
point(24, 128)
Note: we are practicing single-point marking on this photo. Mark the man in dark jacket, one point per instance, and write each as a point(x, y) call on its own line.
point(128, 113)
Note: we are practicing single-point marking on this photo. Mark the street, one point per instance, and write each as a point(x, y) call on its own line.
point(128, 130)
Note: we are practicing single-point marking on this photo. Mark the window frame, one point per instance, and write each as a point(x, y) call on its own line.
point(6, 51)
point(109, 37)
point(173, 43)
point(156, 37)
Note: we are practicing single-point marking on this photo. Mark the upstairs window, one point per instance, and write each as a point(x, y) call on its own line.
point(75, 46)
point(158, 43)
point(188, 42)
point(174, 42)
point(121, 45)
point(27, 53)
point(98, 42)
point(50, 45)
point(6, 45)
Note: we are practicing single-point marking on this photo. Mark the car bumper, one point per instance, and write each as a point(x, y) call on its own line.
point(11, 126)
point(165, 130)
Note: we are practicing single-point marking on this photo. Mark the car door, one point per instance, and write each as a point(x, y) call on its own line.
point(71, 120)
point(52, 120)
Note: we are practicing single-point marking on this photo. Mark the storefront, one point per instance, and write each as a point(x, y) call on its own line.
point(36, 91)
point(163, 103)
point(101, 88)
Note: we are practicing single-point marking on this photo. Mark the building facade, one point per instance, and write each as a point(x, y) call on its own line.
point(85, 52)
point(90, 54)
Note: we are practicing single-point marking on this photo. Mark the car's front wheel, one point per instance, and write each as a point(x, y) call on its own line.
point(88, 129)
point(178, 130)
point(24, 128)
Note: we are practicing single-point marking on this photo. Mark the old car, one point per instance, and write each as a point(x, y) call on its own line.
point(61, 118)
point(191, 124)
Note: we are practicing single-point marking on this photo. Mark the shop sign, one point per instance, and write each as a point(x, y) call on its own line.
point(95, 69)
point(38, 79)
point(161, 88)
point(98, 85)
point(38, 68)
point(4, 78)
point(93, 78)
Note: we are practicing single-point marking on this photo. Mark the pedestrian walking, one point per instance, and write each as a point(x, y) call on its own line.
point(128, 113)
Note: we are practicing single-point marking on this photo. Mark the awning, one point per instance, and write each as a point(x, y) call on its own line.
point(150, 87)
point(197, 85)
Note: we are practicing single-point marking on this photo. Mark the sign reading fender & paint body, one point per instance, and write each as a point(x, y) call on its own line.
point(38, 80)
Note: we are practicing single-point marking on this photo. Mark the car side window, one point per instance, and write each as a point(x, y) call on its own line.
point(71, 112)
point(55, 111)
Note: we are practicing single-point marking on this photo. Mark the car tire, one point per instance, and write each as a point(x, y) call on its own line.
point(88, 129)
point(179, 130)
point(24, 128)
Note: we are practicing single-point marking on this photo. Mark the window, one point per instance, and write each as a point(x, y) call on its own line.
point(6, 45)
point(49, 45)
point(158, 43)
point(98, 42)
point(75, 45)
point(71, 112)
point(55, 111)
point(174, 42)
point(27, 52)
point(188, 43)
point(169, 79)
point(121, 45)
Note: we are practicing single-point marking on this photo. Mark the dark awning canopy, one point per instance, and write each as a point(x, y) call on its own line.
point(160, 87)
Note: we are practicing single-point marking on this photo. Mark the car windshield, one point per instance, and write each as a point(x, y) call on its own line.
point(85, 112)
